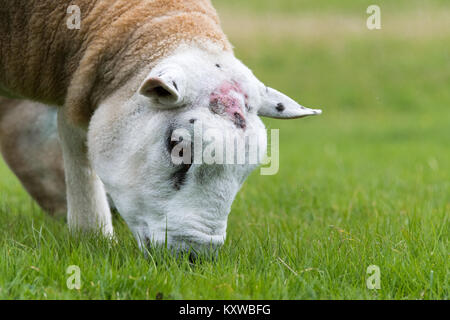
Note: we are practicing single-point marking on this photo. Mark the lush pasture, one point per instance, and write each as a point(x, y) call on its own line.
point(367, 183)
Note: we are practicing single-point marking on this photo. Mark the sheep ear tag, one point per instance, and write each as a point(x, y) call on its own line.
point(279, 106)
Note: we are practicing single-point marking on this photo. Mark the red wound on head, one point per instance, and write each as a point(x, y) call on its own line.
point(225, 100)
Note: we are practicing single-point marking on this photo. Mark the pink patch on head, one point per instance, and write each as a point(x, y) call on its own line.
point(224, 100)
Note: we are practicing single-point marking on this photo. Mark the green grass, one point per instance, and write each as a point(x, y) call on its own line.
point(317, 6)
point(367, 183)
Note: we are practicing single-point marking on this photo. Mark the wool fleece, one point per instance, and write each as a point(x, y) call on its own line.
point(43, 60)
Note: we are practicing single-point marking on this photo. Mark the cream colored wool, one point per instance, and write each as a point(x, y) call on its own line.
point(43, 60)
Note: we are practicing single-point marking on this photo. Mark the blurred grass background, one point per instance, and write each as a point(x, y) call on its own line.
point(319, 6)
point(366, 183)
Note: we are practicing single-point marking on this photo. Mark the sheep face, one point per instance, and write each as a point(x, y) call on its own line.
point(174, 155)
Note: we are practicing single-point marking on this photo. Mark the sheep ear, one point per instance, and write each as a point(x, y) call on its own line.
point(279, 106)
point(166, 85)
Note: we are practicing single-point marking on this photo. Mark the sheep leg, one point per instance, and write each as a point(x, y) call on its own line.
point(87, 203)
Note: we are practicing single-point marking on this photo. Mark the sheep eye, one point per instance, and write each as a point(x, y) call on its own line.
point(171, 144)
point(180, 174)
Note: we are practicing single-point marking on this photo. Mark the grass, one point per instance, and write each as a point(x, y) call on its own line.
point(367, 183)
point(318, 6)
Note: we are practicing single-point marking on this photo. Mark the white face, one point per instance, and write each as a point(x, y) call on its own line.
point(130, 146)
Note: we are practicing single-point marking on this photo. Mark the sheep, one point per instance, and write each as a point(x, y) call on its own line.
point(134, 75)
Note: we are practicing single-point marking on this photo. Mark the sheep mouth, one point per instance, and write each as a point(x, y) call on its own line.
point(194, 252)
